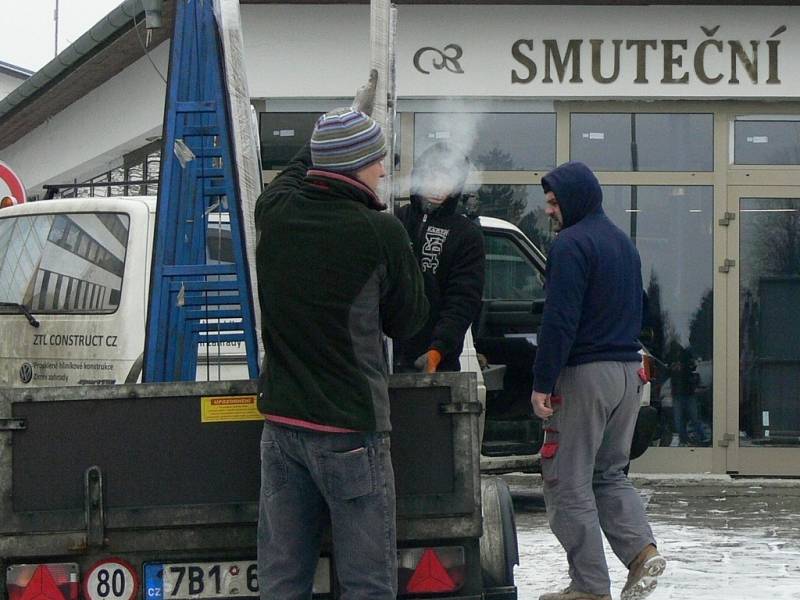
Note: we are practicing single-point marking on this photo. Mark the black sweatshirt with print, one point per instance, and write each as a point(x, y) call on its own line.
point(449, 250)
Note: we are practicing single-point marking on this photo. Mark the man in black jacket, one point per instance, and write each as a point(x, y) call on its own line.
point(449, 250)
point(334, 274)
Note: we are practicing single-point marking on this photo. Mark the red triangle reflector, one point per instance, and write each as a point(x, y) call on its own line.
point(42, 586)
point(430, 576)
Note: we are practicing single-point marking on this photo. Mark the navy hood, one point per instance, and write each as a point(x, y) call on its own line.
point(577, 190)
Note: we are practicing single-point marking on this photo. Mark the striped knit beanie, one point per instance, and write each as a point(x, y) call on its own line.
point(345, 140)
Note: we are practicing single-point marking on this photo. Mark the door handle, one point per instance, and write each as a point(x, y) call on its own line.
point(727, 264)
point(726, 440)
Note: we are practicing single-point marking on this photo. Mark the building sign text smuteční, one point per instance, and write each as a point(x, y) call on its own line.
point(542, 50)
point(678, 61)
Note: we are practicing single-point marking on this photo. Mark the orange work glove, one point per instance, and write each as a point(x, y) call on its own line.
point(428, 362)
point(434, 358)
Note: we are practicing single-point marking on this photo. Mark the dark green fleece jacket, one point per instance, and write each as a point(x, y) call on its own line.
point(334, 273)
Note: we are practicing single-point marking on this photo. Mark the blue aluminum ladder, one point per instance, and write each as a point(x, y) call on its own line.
point(196, 302)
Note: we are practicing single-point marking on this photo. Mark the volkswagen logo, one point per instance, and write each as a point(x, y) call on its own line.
point(26, 372)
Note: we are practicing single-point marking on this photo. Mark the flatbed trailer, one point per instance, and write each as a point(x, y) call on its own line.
point(150, 491)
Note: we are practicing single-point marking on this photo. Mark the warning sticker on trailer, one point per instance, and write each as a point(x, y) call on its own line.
point(222, 409)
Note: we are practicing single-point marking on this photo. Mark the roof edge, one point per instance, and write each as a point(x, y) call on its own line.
point(82, 48)
point(15, 70)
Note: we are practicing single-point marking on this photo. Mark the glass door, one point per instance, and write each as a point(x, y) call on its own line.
point(763, 272)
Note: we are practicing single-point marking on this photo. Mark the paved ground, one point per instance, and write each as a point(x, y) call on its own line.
point(724, 539)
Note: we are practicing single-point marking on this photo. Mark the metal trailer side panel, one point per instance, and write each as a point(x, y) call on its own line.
point(141, 447)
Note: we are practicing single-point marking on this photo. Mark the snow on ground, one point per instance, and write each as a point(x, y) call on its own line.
point(723, 540)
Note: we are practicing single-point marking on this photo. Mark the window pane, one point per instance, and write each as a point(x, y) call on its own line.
point(282, 136)
point(117, 174)
point(643, 142)
point(769, 290)
point(510, 275)
point(522, 205)
point(766, 142)
point(602, 141)
point(672, 227)
point(44, 271)
point(493, 141)
point(675, 142)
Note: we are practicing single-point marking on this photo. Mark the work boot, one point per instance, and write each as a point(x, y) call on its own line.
point(642, 574)
point(570, 593)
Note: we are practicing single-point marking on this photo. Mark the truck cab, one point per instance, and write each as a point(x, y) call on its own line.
point(73, 300)
point(77, 268)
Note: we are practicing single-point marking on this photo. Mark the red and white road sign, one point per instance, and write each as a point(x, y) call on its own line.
point(11, 184)
point(111, 579)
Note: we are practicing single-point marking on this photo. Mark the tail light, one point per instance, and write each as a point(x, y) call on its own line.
point(55, 581)
point(431, 570)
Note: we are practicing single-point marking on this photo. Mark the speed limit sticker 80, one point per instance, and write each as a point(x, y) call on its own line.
point(111, 579)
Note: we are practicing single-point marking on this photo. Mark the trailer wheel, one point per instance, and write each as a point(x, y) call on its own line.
point(499, 552)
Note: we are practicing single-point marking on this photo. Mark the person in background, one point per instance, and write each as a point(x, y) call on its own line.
point(334, 274)
point(586, 388)
point(449, 250)
point(682, 377)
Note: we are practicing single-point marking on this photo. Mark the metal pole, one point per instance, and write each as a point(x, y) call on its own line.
point(383, 23)
point(382, 29)
point(55, 18)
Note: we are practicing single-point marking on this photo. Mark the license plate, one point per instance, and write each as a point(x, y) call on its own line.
point(221, 579)
point(185, 581)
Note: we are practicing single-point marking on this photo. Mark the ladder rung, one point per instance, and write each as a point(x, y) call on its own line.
point(202, 106)
point(191, 270)
point(210, 173)
point(213, 314)
point(223, 337)
point(233, 300)
point(229, 285)
point(212, 327)
point(208, 152)
point(216, 190)
point(197, 130)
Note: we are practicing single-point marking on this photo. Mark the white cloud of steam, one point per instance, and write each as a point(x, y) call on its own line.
point(455, 125)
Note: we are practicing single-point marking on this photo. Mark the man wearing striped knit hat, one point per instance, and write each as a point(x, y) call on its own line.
point(334, 274)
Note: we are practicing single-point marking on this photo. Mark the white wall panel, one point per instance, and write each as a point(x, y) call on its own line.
point(92, 134)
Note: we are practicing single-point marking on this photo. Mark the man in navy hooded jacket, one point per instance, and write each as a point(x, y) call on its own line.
point(586, 387)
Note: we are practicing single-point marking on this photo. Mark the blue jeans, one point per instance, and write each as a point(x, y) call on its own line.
point(307, 477)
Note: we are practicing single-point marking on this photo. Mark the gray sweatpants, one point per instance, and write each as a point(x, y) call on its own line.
point(586, 449)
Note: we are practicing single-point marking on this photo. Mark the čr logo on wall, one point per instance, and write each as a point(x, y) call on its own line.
point(26, 372)
point(445, 61)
